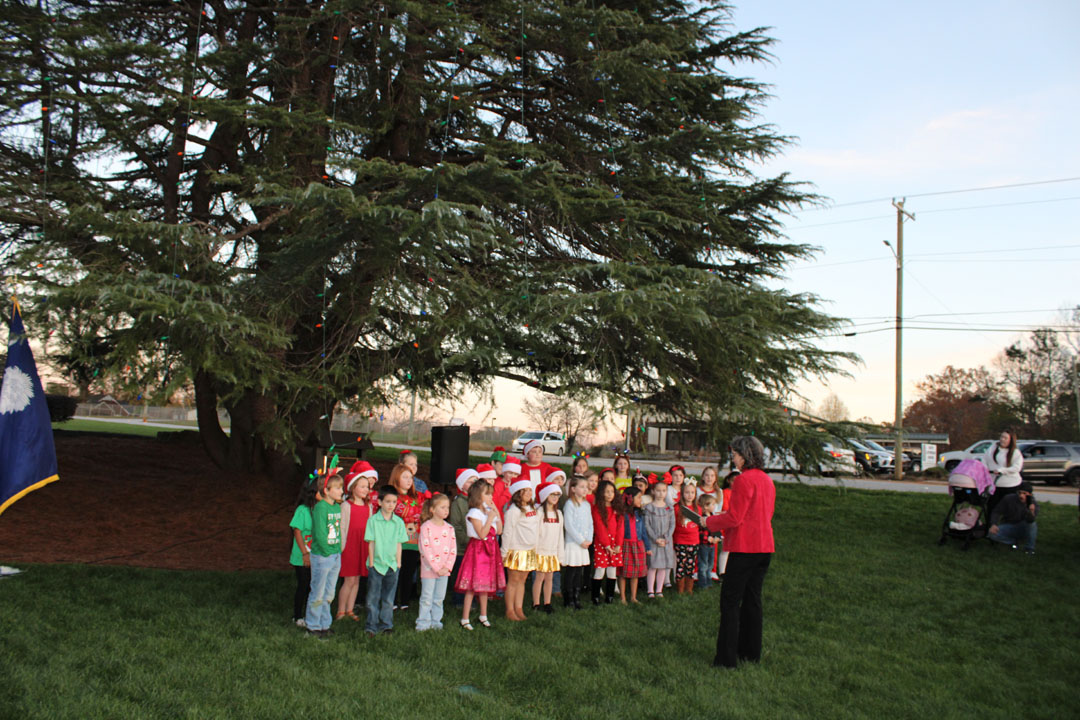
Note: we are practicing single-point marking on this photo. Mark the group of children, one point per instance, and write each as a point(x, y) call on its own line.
point(508, 520)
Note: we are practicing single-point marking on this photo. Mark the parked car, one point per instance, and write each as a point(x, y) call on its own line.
point(554, 443)
point(953, 458)
point(887, 457)
point(1051, 462)
point(838, 460)
point(870, 459)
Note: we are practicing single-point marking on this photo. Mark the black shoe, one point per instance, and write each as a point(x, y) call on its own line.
point(536, 607)
point(548, 609)
point(595, 588)
point(328, 632)
point(387, 631)
point(609, 590)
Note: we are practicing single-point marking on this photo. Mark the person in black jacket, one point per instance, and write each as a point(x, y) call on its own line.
point(1013, 520)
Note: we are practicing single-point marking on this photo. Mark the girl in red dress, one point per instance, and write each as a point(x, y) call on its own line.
point(355, 512)
point(607, 542)
point(408, 508)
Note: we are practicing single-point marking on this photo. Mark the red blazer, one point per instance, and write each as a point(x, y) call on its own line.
point(610, 533)
point(747, 524)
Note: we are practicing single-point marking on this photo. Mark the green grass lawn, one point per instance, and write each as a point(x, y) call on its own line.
point(865, 616)
point(86, 425)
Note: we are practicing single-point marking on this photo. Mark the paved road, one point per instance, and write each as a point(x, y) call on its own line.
point(1053, 495)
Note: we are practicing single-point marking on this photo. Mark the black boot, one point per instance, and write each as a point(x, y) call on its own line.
point(609, 590)
point(595, 592)
point(577, 599)
point(548, 609)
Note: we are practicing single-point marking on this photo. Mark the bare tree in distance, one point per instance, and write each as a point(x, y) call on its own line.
point(833, 409)
point(576, 421)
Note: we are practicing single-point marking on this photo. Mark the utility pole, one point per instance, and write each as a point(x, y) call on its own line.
point(898, 253)
point(412, 418)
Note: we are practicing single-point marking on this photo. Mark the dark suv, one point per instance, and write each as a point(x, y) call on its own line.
point(1052, 462)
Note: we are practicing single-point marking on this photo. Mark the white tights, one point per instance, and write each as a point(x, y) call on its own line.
point(599, 573)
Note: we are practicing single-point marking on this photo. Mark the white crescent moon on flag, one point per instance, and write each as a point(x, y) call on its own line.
point(17, 392)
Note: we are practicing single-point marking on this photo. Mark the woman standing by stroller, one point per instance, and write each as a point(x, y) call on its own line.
point(1004, 461)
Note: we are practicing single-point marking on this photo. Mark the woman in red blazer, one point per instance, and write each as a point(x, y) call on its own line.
point(748, 537)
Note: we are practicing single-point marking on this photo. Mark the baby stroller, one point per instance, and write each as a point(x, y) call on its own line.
point(971, 486)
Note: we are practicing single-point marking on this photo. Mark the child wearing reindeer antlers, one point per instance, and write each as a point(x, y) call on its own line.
point(325, 554)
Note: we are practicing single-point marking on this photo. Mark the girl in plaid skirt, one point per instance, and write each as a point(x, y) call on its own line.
point(634, 545)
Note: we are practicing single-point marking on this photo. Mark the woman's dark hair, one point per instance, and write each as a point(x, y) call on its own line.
point(751, 449)
point(1012, 446)
point(309, 493)
point(603, 509)
point(728, 479)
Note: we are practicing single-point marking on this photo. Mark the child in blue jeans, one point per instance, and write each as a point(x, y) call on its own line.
point(384, 535)
point(707, 548)
point(325, 555)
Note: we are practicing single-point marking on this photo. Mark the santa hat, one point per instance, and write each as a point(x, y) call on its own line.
point(486, 472)
point(545, 489)
point(555, 474)
point(522, 484)
point(532, 444)
point(463, 475)
point(498, 455)
point(359, 469)
point(512, 465)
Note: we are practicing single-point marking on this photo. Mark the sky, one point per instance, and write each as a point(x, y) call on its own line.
point(903, 100)
point(919, 98)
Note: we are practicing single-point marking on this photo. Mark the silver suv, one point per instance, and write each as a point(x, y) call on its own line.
point(1051, 462)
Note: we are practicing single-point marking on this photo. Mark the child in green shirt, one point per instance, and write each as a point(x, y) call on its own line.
point(300, 558)
point(384, 534)
point(325, 554)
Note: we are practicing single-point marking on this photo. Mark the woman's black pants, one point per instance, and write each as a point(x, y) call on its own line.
point(740, 609)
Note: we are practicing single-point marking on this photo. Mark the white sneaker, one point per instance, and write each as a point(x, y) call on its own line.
point(300, 623)
point(714, 576)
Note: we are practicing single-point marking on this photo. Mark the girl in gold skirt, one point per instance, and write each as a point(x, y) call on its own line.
point(549, 543)
point(521, 526)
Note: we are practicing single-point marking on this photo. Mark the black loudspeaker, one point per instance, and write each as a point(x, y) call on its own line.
point(449, 451)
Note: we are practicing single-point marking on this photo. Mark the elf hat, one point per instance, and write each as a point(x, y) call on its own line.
point(463, 475)
point(546, 489)
point(532, 444)
point(498, 455)
point(522, 484)
point(486, 472)
point(512, 465)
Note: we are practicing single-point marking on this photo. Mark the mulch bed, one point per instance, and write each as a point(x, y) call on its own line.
point(124, 500)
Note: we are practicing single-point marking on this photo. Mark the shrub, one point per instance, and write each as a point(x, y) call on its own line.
point(61, 407)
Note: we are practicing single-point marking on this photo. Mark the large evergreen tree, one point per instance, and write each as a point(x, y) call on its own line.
point(293, 203)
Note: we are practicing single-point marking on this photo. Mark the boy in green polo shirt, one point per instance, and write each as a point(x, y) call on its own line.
point(325, 555)
point(384, 535)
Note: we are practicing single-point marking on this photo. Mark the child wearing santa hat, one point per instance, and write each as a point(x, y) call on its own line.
point(511, 469)
point(355, 512)
point(534, 469)
point(549, 544)
point(459, 508)
point(520, 533)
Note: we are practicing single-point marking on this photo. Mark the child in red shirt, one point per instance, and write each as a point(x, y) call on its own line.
point(607, 542)
point(686, 539)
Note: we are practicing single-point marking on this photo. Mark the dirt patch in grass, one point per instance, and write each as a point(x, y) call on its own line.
point(125, 500)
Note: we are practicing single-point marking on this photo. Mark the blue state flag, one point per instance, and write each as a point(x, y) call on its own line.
point(27, 453)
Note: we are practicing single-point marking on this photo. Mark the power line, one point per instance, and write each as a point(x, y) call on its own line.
point(944, 192)
point(937, 210)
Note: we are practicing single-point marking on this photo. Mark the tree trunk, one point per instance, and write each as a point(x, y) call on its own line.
point(242, 450)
